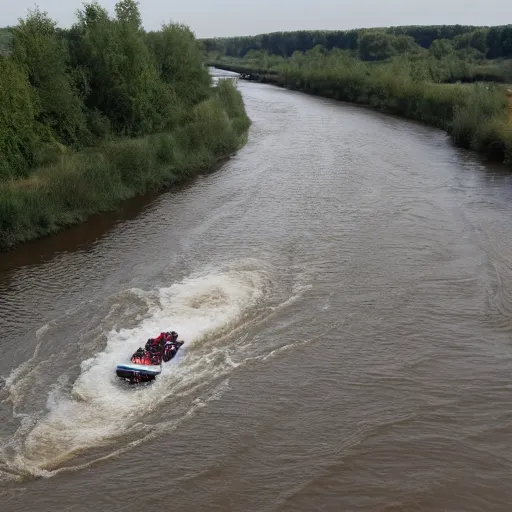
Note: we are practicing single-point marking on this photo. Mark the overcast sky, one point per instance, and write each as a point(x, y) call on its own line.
point(210, 18)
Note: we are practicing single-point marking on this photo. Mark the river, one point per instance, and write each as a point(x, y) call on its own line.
point(343, 285)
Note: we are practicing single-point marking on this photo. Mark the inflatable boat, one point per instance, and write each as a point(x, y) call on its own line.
point(146, 364)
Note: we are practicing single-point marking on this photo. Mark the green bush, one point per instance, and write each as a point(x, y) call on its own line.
point(97, 179)
point(474, 115)
point(473, 120)
point(19, 136)
point(100, 112)
point(38, 50)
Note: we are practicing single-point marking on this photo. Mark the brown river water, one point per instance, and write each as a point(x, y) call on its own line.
point(344, 288)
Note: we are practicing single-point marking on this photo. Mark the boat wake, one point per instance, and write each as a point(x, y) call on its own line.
point(87, 408)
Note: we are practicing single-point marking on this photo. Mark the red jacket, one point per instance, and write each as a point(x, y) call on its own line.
point(162, 336)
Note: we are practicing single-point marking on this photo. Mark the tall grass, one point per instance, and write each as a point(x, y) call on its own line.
point(82, 183)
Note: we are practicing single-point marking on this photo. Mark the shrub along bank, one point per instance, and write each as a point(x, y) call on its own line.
point(97, 179)
point(101, 112)
point(475, 115)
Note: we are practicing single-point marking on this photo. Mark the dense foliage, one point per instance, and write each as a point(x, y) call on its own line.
point(409, 85)
point(103, 77)
point(372, 44)
point(96, 179)
point(442, 63)
point(18, 112)
point(72, 102)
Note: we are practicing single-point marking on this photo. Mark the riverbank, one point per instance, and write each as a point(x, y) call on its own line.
point(82, 183)
point(474, 115)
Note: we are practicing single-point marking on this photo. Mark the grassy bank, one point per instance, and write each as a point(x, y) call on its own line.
point(451, 77)
point(475, 115)
point(97, 179)
point(101, 112)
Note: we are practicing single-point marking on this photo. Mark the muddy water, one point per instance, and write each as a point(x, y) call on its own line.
point(344, 288)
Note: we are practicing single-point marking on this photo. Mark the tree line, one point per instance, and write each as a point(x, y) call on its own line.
point(101, 112)
point(475, 115)
point(105, 76)
point(372, 44)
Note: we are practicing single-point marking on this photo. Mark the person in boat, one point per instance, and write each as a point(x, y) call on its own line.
point(163, 337)
point(171, 347)
point(166, 343)
point(141, 356)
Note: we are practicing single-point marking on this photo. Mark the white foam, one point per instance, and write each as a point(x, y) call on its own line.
point(99, 408)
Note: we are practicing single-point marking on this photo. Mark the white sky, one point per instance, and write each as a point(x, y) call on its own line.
point(209, 18)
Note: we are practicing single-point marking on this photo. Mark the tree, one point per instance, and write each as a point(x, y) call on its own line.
point(374, 45)
point(441, 48)
point(477, 39)
point(18, 112)
point(127, 12)
point(179, 60)
point(38, 50)
point(120, 71)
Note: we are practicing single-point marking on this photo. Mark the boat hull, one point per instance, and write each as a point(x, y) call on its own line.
point(137, 372)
